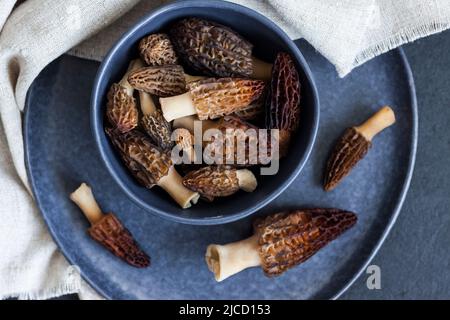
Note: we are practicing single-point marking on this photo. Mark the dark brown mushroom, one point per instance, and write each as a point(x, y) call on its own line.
point(161, 81)
point(216, 50)
point(280, 242)
point(283, 100)
point(144, 159)
point(121, 109)
point(108, 230)
point(157, 50)
point(354, 145)
point(220, 181)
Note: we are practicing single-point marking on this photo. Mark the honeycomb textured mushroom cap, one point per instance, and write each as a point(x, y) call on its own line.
point(289, 238)
point(145, 161)
point(110, 232)
point(161, 81)
point(215, 97)
point(211, 48)
point(121, 109)
point(158, 129)
point(157, 50)
point(213, 181)
point(351, 148)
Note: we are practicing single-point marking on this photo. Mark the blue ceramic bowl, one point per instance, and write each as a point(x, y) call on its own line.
point(268, 39)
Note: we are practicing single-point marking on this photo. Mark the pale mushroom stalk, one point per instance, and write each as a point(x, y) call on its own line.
point(172, 183)
point(148, 106)
point(227, 260)
point(134, 65)
point(212, 98)
point(84, 199)
point(261, 70)
point(246, 180)
point(382, 119)
point(188, 123)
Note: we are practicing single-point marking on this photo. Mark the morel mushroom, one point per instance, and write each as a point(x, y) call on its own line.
point(161, 81)
point(280, 242)
point(158, 129)
point(283, 99)
point(108, 230)
point(354, 145)
point(216, 50)
point(144, 159)
point(212, 98)
point(157, 50)
point(220, 181)
point(253, 112)
point(121, 109)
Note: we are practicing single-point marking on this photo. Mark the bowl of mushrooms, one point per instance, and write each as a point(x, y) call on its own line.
point(204, 112)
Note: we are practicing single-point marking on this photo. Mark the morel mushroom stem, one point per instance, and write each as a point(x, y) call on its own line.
point(227, 260)
point(261, 69)
point(134, 65)
point(84, 198)
point(172, 183)
point(148, 107)
point(178, 106)
point(384, 118)
point(246, 180)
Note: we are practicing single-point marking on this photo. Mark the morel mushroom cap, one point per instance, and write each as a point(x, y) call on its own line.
point(157, 50)
point(121, 109)
point(161, 81)
point(253, 112)
point(280, 242)
point(238, 143)
point(108, 230)
point(153, 122)
point(152, 166)
point(212, 98)
point(220, 181)
point(216, 50)
point(185, 141)
point(354, 145)
point(283, 100)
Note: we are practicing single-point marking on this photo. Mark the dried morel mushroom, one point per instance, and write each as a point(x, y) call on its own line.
point(121, 109)
point(253, 112)
point(108, 230)
point(283, 100)
point(216, 50)
point(212, 98)
point(158, 129)
point(239, 143)
point(144, 159)
point(161, 81)
point(354, 145)
point(220, 181)
point(280, 242)
point(157, 50)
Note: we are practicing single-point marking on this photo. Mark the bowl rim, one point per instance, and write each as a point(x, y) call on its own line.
point(97, 132)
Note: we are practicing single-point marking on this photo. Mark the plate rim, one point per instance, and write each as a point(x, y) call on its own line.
point(380, 242)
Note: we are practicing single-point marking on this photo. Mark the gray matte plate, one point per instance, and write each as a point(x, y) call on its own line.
point(61, 154)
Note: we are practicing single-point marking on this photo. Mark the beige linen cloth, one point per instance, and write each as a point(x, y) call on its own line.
point(346, 32)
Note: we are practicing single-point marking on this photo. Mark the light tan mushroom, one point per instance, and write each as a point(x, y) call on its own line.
point(212, 98)
point(157, 50)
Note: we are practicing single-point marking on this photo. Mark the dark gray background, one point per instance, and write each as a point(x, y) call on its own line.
point(414, 260)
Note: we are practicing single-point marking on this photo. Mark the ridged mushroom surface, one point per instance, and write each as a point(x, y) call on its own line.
point(157, 50)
